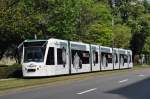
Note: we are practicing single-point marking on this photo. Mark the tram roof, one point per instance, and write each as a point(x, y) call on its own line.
point(34, 40)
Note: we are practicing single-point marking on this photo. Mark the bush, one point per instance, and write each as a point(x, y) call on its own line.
point(13, 71)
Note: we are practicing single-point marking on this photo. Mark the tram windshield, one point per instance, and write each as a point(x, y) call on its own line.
point(34, 52)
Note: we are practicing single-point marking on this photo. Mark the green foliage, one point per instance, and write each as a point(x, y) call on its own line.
point(13, 71)
point(122, 36)
point(75, 20)
point(99, 33)
point(98, 28)
point(146, 49)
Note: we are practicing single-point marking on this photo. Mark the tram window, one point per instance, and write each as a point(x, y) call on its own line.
point(108, 57)
point(130, 59)
point(95, 57)
point(121, 59)
point(85, 57)
point(104, 61)
point(82, 55)
point(61, 56)
point(115, 58)
point(125, 58)
point(50, 56)
point(74, 54)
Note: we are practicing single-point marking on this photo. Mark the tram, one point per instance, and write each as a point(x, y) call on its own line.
point(60, 57)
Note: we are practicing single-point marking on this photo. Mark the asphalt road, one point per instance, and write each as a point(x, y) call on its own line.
point(134, 85)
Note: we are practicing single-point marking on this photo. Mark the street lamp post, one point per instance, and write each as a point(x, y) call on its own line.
point(113, 6)
point(113, 23)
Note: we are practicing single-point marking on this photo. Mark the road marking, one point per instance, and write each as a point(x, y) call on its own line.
point(122, 81)
point(86, 91)
point(141, 75)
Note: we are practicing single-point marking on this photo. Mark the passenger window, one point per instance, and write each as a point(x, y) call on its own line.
point(80, 57)
point(115, 58)
point(109, 58)
point(95, 57)
point(130, 59)
point(85, 57)
point(122, 59)
point(104, 61)
point(61, 56)
point(50, 56)
point(106, 58)
point(125, 58)
point(76, 59)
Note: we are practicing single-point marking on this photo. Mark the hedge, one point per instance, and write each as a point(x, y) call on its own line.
point(13, 71)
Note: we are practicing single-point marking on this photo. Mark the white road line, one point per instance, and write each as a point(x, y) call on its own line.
point(86, 91)
point(141, 75)
point(122, 81)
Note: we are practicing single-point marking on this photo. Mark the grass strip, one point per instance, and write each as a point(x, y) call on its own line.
point(23, 83)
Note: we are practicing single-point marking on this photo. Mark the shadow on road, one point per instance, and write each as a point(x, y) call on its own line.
point(139, 90)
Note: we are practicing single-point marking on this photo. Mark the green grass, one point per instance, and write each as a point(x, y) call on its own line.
point(10, 65)
point(141, 66)
point(27, 83)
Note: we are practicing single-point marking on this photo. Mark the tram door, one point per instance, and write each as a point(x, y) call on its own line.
point(80, 58)
point(61, 59)
point(130, 63)
point(123, 59)
point(115, 58)
point(106, 58)
point(95, 58)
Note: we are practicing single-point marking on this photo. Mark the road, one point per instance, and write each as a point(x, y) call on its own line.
point(132, 85)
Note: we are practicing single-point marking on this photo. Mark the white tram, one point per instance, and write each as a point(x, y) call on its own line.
point(59, 57)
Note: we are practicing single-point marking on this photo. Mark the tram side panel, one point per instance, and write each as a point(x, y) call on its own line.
point(130, 62)
point(80, 57)
point(106, 58)
point(95, 58)
point(50, 59)
point(57, 57)
point(62, 58)
point(123, 57)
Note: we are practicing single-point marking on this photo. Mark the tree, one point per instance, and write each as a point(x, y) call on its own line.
point(100, 34)
point(122, 36)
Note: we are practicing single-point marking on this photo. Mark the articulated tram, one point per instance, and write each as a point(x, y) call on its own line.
point(59, 57)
